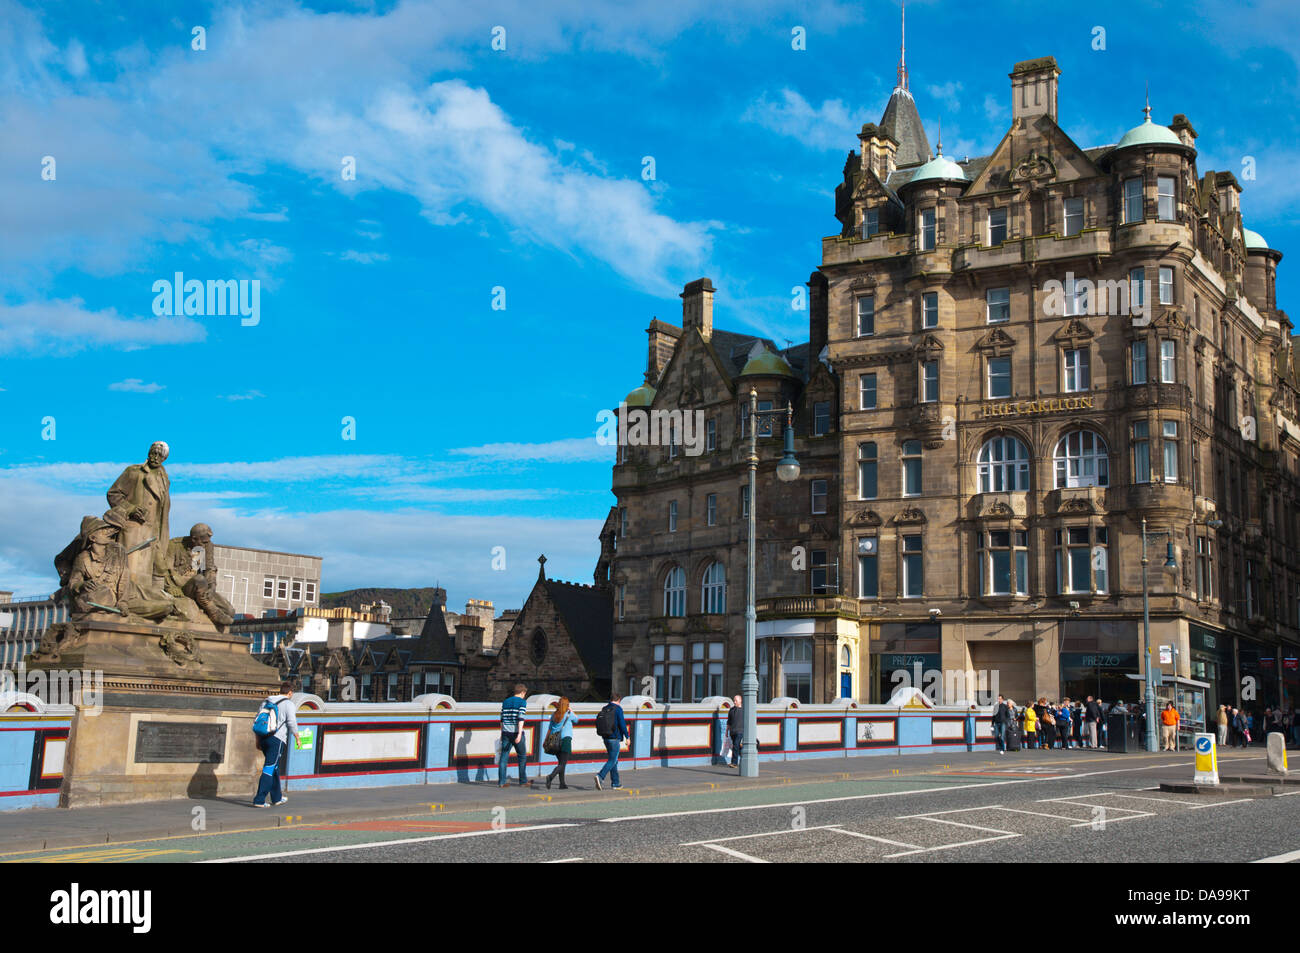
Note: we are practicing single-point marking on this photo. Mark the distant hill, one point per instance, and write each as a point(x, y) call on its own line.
point(406, 603)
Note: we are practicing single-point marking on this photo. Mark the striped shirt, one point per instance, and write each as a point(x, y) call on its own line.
point(512, 714)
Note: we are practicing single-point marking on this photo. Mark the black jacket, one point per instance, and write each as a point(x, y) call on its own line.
point(736, 721)
point(1092, 711)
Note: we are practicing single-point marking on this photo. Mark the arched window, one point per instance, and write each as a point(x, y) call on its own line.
point(1081, 460)
point(1004, 465)
point(714, 590)
point(675, 592)
point(846, 657)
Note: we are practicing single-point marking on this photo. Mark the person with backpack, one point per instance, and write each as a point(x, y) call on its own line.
point(272, 725)
point(559, 741)
point(736, 729)
point(612, 728)
point(512, 736)
point(1001, 721)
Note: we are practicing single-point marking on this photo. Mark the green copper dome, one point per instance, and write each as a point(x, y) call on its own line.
point(767, 363)
point(643, 396)
point(939, 169)
point(1253, 240)
point(1149, 134)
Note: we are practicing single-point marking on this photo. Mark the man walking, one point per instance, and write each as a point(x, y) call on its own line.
point(512, 736)
point(273, 744)
point(1169, 728)
point(1001, 718)
point(612, 728)
point(736, 729)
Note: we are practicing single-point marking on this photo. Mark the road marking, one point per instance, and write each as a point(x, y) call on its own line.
point(883, 840)
point(563, 860)
point(111, 855)
point(788, 830)
point(1201, 807)
point(736, 853)
point(1103, 822)
point(966, 843)
point(959, 810)
point(1163, 800)
point(865, 797)
point(974, 827)
point(382, 843)
point(1013, 810)
point(1287, 858)
point(1109, 807)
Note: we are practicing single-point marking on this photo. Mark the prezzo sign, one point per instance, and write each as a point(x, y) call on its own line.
point(1048, 406)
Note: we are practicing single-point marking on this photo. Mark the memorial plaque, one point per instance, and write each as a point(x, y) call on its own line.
point(180, 742)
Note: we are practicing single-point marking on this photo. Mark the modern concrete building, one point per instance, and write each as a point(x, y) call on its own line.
point(22, 622)
point(256, 581)
point(1013, 360)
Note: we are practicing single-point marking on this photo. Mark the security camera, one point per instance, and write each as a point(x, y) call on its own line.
point(935, 612)
point(1074, 607)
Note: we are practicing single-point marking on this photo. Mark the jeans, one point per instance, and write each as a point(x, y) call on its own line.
point(1065, 735)
point(269, 782)
point(611, 766)
point(1000, 736)
point(503, 759)
point(737, 739)
point(1222, 735)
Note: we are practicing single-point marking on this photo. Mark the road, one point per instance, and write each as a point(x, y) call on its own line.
point(1063, 807)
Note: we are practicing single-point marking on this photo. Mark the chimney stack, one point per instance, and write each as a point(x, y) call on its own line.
point(1033, 89)
point(697, 307)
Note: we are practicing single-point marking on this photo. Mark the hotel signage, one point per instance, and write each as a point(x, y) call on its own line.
point(1042, 406)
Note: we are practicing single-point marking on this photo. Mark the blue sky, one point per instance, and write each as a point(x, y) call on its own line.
point(479, 169)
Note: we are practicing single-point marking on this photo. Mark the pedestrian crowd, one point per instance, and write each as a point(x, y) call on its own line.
point(1068, 723)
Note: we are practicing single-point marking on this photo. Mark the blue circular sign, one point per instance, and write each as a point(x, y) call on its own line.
point(1203, 745)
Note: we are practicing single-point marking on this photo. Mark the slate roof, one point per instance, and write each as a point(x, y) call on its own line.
point(733, 352)
point(588, 614)
point(903, 123)
point(434, 644)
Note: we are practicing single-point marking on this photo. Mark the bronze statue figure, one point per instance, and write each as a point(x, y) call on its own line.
point(140, 505)
point(191, 571)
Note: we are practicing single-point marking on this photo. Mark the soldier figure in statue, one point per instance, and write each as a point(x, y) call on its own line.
point(140, 504)
point(191, 571)
point(93, 573)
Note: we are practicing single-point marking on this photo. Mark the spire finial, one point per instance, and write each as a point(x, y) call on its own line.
point(902, 48)
point(1147, 110)
point(938, 143)
point(541, 567)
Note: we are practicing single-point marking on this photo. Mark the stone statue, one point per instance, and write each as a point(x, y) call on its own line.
point(191, 571)
point(93, 573)
point(140, 504)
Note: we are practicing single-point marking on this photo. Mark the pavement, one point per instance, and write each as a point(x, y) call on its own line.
point(1024, 806)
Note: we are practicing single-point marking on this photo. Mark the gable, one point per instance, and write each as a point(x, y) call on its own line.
point(1038, 154)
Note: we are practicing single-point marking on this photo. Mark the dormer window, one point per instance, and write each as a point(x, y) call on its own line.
point(870, 222)
point(997, 226)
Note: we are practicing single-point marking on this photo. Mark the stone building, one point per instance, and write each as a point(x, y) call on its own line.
point(257, 581)
point(1024, 355)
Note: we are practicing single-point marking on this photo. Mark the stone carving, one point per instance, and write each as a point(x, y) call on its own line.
point(999, 508)
point(910, 514)
point(191, 572)
point(140, 505)
point(1033, 166)
point(997, 342)
point(1076, 504)
point(867, 518)
point(93, 576)
point(180, 647)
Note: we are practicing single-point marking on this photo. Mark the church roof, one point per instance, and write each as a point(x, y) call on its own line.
point(588, 614)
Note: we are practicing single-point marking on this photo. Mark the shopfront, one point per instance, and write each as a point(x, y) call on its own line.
point(1290, 675)
point(1097, 659)
point(903, 656)
point(1257, 662)
point(1211, 662)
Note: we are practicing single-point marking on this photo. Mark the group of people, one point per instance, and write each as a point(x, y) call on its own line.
point(1044, 724)
point(1239, 728)
point(611, 725)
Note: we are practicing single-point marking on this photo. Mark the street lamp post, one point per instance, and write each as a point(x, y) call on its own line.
point(1171, 564)
point(786, 470)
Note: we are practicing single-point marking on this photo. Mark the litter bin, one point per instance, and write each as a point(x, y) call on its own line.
point(1117, 733)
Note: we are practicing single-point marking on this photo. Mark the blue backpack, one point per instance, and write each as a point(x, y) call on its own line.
point(267, 721)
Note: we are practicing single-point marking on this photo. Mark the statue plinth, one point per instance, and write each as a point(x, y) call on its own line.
point(178, 703)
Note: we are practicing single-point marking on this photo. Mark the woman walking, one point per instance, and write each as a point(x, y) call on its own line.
point(562, 722)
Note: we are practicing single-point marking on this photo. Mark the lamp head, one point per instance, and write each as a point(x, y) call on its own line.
point(1171, 564)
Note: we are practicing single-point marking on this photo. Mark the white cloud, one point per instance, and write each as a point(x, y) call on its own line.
point(67, 326)
point(947, 93)
point(364, 257)
point(134, 385)
point(994, 108)
point(247, 395)
point(568, 450)
point(831, 125)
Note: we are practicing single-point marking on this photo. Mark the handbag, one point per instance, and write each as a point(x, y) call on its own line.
point(551, 744)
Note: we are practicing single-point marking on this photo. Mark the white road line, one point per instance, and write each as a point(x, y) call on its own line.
point(788, 830)
point(736, 853)
point(382, 843)
point(1109, 807)
point(960, 810)
point(1103, 822)
point(1201, 807)
point(1162, 800)
point(1014, 810)
point(883, 840)
point(1287, 858)
point(966, 843)
point(974, 827)
point(866, 797)
point(563, 860)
